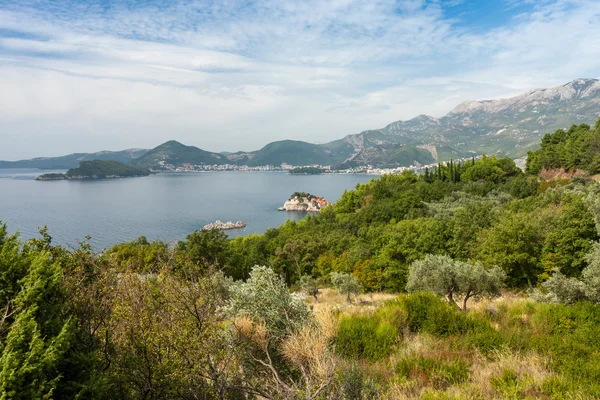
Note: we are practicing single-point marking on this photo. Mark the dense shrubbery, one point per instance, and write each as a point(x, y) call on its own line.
point(576, 148)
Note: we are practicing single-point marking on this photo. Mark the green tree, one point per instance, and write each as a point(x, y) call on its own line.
point(310, 286)
point(40, 336)
point(446, 277)
point(346, 284)
point(265, 298)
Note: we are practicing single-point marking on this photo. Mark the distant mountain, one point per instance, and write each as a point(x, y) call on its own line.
point(291, 152)
point(175, 153)
point(508, 127)
point(73, 160)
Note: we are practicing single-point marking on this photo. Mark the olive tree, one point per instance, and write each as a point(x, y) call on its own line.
point(447, 277)
point(562, 290)
point(346, 284)
point(310, 286)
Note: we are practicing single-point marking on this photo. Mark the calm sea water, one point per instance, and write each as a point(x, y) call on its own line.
point(164, 206)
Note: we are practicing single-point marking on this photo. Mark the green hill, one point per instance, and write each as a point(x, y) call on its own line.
point(73, 160)
point(393, 156)
point(177, 154)
point(294, 152)
point(100, 169)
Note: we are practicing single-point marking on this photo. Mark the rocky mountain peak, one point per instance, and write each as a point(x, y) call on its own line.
point(579, 88)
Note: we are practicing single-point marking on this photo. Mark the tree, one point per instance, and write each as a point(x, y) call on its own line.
point(446, 277)
point(563, 290)
point(205, 247)
point(265, 298)
point(40, 336)
point(346, 284)
point(310, 286)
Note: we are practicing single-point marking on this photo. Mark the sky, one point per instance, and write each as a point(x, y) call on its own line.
point(228, 75)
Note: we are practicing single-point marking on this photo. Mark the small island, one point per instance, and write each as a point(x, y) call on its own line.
point(222, 226)
point(306, 171)
point(301, 201)
point(96, 169)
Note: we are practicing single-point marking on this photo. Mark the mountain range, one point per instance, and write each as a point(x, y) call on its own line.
point(506, 127)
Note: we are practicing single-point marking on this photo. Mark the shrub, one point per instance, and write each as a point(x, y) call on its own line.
point(428, 313)
point(438, 373)
point(365, 337)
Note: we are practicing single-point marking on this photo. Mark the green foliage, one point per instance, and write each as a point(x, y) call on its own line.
point(139, 256)
point(446, 277)
point(205, 247)
point(345, 284)
point(175, 153)
point(40, 336)
point(265, 298)
point(438, 373)
point(306, 171)
point(365, 337)
point(98, 169)
point(563, 290)
point(491, 169)
point(576, 148)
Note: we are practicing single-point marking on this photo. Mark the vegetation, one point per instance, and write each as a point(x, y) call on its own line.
point(294, 152)
point(214, 317)
point(576, 148)
point(306, 171)
point(104, 169)
point(176, 154)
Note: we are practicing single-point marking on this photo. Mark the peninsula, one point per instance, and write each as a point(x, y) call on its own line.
point(96, 169)
point(301, 201)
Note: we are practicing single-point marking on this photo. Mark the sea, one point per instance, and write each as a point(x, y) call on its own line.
point(166, 206)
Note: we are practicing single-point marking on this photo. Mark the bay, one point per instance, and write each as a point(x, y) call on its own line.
point(161, 207)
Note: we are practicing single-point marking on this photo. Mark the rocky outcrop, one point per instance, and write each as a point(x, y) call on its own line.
point(222, 226)
point(304, 202)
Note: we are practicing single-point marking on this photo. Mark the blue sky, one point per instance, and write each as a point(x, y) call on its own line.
point(82, 75)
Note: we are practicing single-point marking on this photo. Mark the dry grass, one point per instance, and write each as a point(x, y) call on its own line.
point(330, 299)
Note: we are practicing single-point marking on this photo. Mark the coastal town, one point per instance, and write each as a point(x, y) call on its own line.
point(325, 169)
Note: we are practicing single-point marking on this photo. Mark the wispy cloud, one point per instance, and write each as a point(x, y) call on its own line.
point(228, 75)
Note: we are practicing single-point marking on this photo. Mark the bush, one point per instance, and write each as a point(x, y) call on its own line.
point(438, 373)
point(428, 313)
point(365, 337)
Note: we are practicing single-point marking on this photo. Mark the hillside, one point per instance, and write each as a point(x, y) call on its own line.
point(97, 169)
point(73, 160)
point(393, 156)
point(507, 127)
point(177, 154)
point(295, 153)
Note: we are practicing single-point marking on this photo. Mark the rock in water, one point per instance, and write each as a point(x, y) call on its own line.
point(224, 225)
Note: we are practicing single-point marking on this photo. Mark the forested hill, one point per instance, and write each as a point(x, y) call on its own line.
point(576, 148)
point(177, 154)
point(97, 169)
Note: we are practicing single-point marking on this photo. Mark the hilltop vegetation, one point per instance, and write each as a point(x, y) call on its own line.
point(97, 169)
point(73, 160)
point(214, 317)
point(576, 148)
point(175, 153)
point(104, 169)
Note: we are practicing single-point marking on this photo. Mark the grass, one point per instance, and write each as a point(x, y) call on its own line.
point(416, 346)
